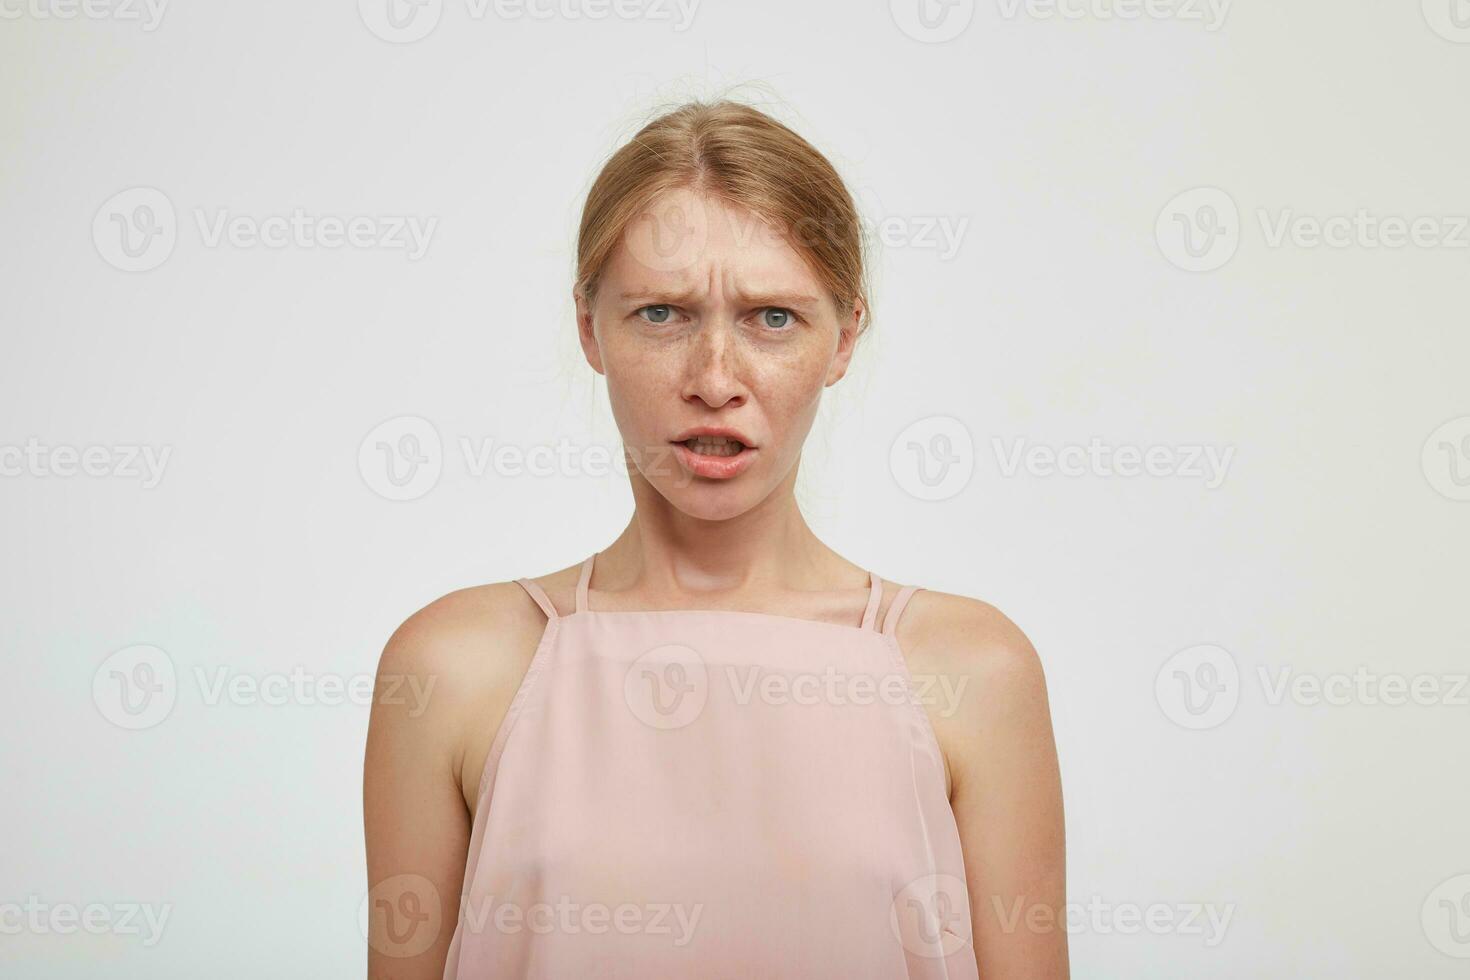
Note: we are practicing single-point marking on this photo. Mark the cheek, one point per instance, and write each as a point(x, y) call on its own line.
point(641, 385)
point(790, 392)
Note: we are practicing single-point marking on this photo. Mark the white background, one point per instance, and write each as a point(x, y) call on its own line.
point(1332, 835)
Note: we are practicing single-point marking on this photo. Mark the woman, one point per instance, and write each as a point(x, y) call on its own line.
point(714, 748)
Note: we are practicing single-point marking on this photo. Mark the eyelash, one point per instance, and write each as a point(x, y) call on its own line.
point(795, 317)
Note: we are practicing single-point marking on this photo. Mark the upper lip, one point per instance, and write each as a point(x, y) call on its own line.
point(715, 430)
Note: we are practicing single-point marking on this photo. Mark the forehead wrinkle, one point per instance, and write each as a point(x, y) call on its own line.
point(737, 292)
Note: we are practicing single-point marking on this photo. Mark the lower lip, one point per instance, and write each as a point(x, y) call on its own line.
point(713, 467)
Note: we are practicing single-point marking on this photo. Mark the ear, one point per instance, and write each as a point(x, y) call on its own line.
point(847, 338)
point(586, 333)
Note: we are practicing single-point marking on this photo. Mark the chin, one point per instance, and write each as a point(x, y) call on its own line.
point(707, 501)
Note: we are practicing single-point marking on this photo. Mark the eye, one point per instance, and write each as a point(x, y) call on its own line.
point(777, 318)
point(656, 314)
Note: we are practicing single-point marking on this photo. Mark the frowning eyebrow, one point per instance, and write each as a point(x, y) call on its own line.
point(796, 301)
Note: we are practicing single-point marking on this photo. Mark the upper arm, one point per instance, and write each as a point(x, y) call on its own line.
point(414, 820)
point(1006, 794)
point(438, 676)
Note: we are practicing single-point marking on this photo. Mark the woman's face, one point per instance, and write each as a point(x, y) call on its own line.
point(707, 319)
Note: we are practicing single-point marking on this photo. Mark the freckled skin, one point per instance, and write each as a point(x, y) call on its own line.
point(721, 356)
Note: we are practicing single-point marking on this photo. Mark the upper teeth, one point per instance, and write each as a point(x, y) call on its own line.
point(715, 445)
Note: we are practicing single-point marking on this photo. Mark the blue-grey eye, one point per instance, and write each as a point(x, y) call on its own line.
point(657, 314)
point(776, 318)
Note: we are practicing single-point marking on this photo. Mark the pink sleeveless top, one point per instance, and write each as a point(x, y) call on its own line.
point(713, 794)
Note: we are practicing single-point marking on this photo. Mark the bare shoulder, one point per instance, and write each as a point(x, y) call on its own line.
point(988, 697)
point(458, 634)
point(448, 673)
point(964, 636)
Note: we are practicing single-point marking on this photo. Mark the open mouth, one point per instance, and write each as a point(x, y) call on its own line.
point(714, 445)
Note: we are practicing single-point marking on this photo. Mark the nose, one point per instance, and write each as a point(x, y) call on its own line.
point(713, 370)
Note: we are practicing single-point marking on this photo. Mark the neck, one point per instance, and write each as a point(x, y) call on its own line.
point(667, 553)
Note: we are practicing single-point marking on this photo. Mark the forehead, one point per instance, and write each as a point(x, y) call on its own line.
point(685, 240)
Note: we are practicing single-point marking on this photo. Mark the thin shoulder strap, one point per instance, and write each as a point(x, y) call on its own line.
point(890, 621)
point(583, 581)
point(875, 595)
point(539, 594)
